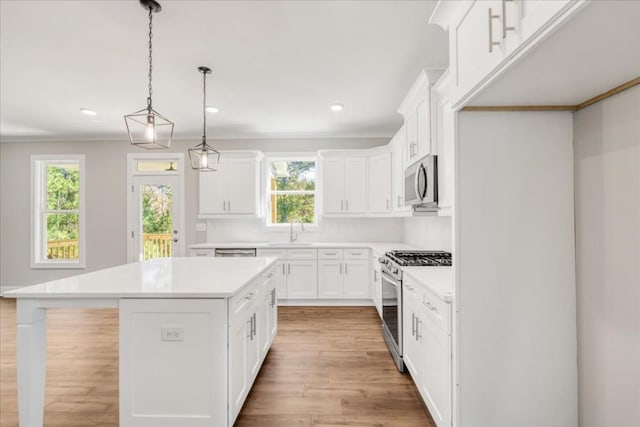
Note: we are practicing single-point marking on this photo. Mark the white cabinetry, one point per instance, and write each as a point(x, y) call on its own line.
point(296, 272)
point(280, 272)
point(233, 189)
point(427, 347)
point(380, 183)
point(343, 274)
point(485, 35)
point(344, 185)
point(398, 146)
point(416, 111)
point(376, 288)
point(442, 138)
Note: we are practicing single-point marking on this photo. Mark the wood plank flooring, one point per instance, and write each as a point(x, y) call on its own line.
point(327, 367)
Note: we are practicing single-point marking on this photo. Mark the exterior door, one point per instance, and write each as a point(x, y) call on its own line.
point(157, 233)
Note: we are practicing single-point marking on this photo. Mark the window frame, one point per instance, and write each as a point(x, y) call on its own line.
point(289, 157)
point(39, 163)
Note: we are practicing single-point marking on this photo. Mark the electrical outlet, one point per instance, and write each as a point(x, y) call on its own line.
point(172, 333)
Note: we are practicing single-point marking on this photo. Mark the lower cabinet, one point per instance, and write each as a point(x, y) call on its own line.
point(427, 348)
point(253, 323)
point(302, 279)
point(343, 274)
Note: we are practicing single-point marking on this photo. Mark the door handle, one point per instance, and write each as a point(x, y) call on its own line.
point(505, 27)
point(491, 42)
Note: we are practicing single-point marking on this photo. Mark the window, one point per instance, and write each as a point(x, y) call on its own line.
point(291, 190)
point(58, 212)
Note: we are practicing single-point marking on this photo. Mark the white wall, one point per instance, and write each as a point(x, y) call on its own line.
point(428, 232)
point(106, 197)
point(607, 180)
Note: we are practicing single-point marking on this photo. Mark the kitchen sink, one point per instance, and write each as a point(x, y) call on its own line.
point(288, 244)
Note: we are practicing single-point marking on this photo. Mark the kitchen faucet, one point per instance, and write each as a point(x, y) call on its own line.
point(293, 237)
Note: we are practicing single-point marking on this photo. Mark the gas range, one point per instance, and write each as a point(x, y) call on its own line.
point(393, 260)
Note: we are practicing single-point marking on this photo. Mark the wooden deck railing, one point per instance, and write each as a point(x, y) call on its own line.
point(157, 245)
point(154, 246)
point(63, 249)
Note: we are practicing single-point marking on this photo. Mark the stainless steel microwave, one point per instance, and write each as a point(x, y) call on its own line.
point(421, 184)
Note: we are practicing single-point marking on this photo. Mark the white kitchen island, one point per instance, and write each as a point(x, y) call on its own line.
point(193, 335)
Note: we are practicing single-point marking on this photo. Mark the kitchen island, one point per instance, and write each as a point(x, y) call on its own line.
point(193, 335)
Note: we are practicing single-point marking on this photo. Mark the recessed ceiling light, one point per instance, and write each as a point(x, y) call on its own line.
point(88, 112)
point(211, 109)
point(336, 107)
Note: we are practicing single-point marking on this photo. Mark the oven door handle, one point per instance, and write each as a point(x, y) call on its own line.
point(390, 280)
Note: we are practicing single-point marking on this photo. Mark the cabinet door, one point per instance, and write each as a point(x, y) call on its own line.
point(474, 56)
point(355, 183)
point(238, 374)
point(281, 279)
point(302, 279)
point(443, 141)
point(240, 186)
point(211, 192)
point(253, 346)
point(423, 121)
point(262, 323)
point(436, 386)
point(333, 185)
point(330, 279)
point(377, 285)
point(380, 183)
point(273, 317)
point(409, 346)
point(356, 279)
point(411, 134)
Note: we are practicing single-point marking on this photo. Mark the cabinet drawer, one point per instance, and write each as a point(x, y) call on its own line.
point(243, 301)
point(202, 252)
point(302, 254)
point(356, 254)
point(330, 253)
point(279, 253)
point(438, 310)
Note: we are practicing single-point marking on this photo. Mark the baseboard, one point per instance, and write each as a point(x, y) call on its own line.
point(326, 302)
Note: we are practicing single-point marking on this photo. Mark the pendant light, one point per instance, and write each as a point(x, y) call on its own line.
point(203, 157)
point(147, 128)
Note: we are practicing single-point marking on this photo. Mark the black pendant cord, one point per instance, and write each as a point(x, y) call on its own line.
point(150, 58)
point(204, 108)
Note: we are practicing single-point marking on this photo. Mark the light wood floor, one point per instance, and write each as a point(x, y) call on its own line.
point(327, 367)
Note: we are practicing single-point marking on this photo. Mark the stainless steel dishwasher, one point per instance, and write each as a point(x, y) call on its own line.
point(233, 252)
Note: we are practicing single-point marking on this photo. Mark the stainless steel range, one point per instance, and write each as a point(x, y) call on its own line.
point(392, 292)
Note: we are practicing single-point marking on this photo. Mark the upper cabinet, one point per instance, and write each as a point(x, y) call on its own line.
point(380, 183)
point(344, 184)
point(486, 37)
point(442, 141)
point(416, 111)
point(398, 145)
point(233, 189)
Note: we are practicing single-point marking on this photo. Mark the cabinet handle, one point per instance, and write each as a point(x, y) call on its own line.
point(229, 205)
point(341, 205)
point(418, 321)
point(340, 268)
point(283, 269)
point(346, 203)
point(289, 269)
point(273, 297)
point(250, 322)
point(254, 325)
point(387, 204)
point(491, 18)
point(330, 253)
point(413, 325)
point(224, 205)
point(505, 27)
point(346, 270)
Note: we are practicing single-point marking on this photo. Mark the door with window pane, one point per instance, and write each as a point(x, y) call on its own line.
point(157, 231)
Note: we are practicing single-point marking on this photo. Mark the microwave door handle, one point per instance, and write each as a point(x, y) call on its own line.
point(417, 185)
point(423, 172)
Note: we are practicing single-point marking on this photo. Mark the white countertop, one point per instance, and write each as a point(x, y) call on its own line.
point(438, 280)
point(379, 247)
point(158, 278)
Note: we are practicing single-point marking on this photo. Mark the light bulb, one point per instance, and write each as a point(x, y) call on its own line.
point(149, 132)
point(204, 159)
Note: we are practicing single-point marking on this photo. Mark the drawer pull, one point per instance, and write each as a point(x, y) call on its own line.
point(505, 27)
point(330, 253)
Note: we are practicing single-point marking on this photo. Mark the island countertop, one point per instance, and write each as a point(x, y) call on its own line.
point(158, 278)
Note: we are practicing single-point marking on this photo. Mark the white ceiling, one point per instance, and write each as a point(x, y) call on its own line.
point(277, 65)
